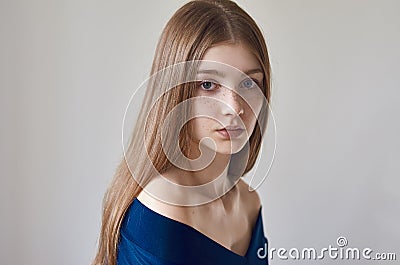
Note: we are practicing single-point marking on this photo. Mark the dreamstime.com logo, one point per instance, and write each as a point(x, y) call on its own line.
point(342, 252)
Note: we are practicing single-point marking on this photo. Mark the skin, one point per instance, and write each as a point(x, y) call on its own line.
point(233, 215)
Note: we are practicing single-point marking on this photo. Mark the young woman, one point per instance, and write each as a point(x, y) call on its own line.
point(177, 196)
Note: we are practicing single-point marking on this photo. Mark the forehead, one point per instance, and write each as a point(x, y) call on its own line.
point(235, 55)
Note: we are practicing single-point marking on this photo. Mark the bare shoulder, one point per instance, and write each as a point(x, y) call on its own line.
point(250, 199)
point(175, 212)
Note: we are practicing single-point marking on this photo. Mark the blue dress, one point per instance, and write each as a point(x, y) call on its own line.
point(147, 237)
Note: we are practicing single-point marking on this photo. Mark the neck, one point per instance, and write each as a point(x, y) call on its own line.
point(217, 168)
point(195, 185)
point(200, 170)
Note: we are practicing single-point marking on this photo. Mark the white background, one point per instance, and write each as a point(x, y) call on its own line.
point(68, 68)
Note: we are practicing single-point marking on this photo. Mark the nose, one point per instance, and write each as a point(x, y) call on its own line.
point(233, 103)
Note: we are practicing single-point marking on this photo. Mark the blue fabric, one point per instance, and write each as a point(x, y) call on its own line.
point(147, 237)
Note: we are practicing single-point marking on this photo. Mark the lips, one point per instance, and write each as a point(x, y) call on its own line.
point(231, 132)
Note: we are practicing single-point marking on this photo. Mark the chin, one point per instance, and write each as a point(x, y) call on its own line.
point(229, 150)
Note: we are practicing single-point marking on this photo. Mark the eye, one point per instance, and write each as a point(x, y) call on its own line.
point(208, 85)
point(248, 83)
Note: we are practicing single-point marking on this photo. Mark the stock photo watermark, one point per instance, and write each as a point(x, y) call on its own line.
point(340, 251)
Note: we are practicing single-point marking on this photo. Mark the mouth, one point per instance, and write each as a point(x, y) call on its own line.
point(231, 132)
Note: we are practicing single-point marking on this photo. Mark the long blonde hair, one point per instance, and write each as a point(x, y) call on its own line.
point(195, 27)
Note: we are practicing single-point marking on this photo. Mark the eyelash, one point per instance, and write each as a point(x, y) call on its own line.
point(255, 82)
point(216, 85)
point(258, 83)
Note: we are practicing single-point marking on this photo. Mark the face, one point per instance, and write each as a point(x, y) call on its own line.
point(228, 98)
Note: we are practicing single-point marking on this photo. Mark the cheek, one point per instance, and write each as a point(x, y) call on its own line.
point(255, 101)
point(200, 127)
point(250, 122)
point(204, 107)
point(253, 107)
point(252, 114)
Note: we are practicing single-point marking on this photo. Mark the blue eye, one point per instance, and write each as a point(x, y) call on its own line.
point(208, 85)
point(248, 83)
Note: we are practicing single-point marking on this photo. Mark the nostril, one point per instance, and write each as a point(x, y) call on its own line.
point(233, 108)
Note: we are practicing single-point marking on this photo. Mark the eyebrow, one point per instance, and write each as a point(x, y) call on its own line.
point(254, 71)
point(210, 71)
point(218, 73)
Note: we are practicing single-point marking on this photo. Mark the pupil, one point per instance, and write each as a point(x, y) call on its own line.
point(248, 83)
point(207, 85)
